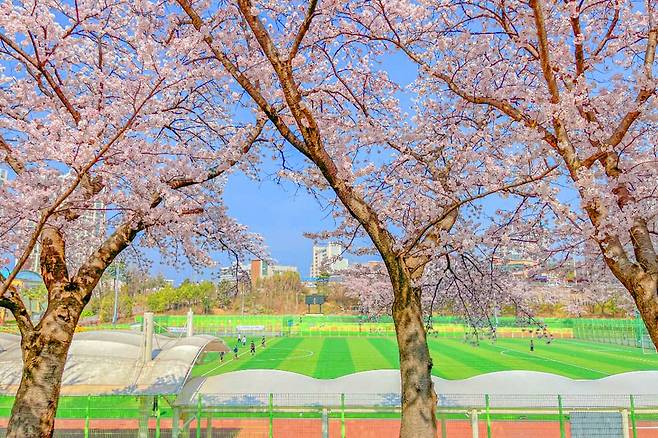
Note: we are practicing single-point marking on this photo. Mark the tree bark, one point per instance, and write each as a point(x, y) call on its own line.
point(644, 290)
point(418, 396)
point(645, 295)
point(44, 357)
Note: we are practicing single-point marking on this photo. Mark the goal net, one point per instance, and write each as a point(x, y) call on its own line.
point(647, 345)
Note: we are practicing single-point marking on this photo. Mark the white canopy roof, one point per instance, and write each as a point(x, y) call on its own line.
point(110, 362)
point(382, 388)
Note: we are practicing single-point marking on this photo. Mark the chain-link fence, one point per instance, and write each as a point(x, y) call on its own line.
point(351, 415)
point(227, 326)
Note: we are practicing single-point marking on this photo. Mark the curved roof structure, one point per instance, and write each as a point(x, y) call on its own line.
point(110, 362)
point(382, 388)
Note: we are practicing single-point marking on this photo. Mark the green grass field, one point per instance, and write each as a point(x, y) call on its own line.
point(331, 357)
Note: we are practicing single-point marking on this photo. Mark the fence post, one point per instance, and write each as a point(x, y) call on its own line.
point(325, 423)
point(624, 423)
point(198, 417)
point(157, 416)
point(271, 409)
point(87, 416)
point(342, 416)
point(561, 414)
point(444, 426)
point(633, 417)
point(475, 430)
point(175, 424)
point(209, 425)
point(486, 401)
point(145, 409)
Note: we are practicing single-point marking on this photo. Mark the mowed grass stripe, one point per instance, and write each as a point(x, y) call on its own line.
point(593, 365)
point(456, 360)
point(625, 359)
point(269, 357)
point(448, 364)
point(303, 358)
point(366, 357)
point(337, 356)
point(230, 364)
point(617, 363)
point(388, 348)
point(492, 357)
point(335, 359)
point(546, 360)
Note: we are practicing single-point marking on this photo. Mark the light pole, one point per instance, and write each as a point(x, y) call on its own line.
point(115, 313)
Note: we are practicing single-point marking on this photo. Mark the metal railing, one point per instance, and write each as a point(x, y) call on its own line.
point(351, 415)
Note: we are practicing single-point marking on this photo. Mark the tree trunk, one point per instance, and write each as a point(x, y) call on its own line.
point(44, 357)
point(418, 396)
point(644, 289)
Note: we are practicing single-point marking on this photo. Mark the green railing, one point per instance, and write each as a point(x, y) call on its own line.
point(348, 415)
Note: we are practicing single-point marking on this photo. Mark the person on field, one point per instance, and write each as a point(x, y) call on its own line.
point(262, 342)
point(221, 356)
point(532, 345)
point(235, 351)
point(252, 348)
point(244, 341)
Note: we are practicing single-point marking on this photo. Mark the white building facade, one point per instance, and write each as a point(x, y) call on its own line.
point(327, 260)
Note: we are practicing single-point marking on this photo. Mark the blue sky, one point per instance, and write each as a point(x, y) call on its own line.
point(280, 212)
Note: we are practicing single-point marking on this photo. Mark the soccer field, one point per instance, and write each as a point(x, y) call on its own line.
point(331, 357)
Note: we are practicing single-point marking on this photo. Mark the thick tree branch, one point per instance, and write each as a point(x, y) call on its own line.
point(92, 269)
point(53, 258)
point(544, 50)
point(12, 301)
point(16, 165)
point(310, 13)
point(645, 253)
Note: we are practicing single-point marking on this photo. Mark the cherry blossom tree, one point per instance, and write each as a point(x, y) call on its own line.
point(469, 284)
point(400, 182)
point(103, 109)
point(572, 82)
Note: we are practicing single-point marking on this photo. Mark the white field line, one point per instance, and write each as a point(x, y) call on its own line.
point(224, 363)
point(547, 359)
point(308, 354)
point(621, 349)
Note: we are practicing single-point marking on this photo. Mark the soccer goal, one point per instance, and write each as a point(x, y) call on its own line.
point(647, 345)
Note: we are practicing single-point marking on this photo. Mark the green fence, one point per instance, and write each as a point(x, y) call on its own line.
point(628, 332)
point(351, 415)
point(329, 325)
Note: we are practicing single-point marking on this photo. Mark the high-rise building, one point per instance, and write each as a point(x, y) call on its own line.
point(261, 269)
point(327, 260)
